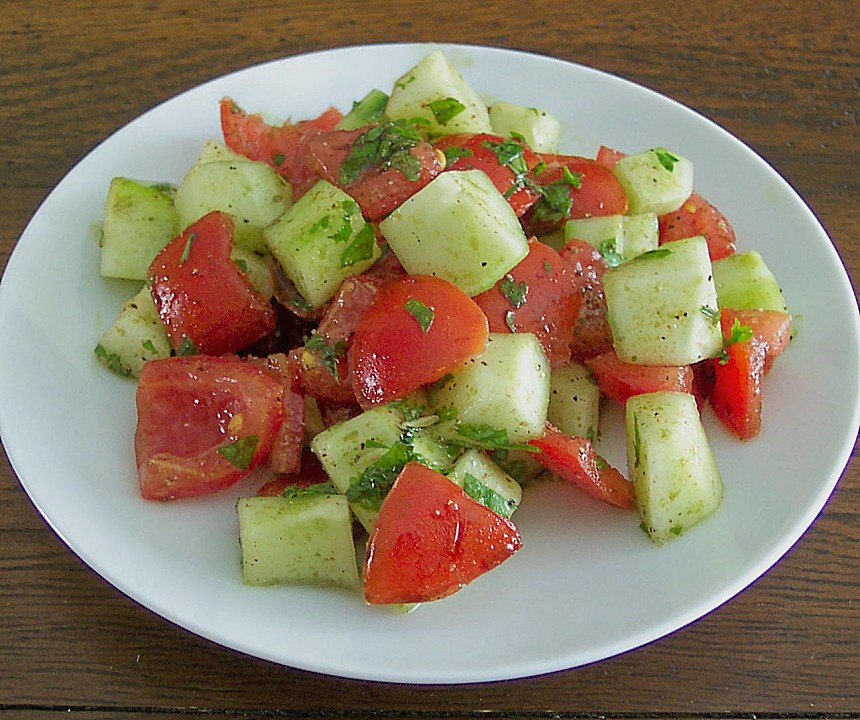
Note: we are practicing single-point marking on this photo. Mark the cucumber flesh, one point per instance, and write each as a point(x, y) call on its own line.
point(744, 282)
point(538, 128)
point(656, 181)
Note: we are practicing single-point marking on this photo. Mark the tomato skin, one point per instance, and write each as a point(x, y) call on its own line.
point(575, 460)
point(591, 335)
point(377, 191)
point(599, 193)
point(551, 304)
point(188, 408)
point(609, 157)
point(202, 295)
point(698, 217)
point(736, 395)
point(480, 156)
point(431, 539)
point(391, 355)
point(281, 146)
point(309, 472)
point(619, 380)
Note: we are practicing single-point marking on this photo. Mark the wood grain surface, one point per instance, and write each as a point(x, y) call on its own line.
point(782, 76)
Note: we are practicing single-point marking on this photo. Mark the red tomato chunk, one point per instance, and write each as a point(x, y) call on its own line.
point(203, 423)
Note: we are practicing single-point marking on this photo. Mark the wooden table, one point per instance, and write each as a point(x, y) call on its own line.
point(781, 76)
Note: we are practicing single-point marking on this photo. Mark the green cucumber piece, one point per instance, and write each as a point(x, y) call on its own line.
point(370, 109)
point(306, 540)
point(136, 336)
point(744, 282)
point(435, 92)
point(658, 306)
point(675, 477)
point(252, 192)
point(140, 219)
point(460, 228)
point(487, 483)
point(574, 401)
point(539, 129)
point(320, 241)
point(506, 387)
point(657, 180)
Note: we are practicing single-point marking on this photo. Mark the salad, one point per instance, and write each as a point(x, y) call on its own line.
point(405, 314)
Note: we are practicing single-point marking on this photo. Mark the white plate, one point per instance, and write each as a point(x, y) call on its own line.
point(587, 584)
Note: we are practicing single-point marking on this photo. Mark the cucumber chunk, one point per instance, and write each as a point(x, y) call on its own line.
point(135, 336)
point(656, 181)
point(371, 108)
point(485, 481)
point(320, 241)
point(252, 192)
point(744, 282)
point(140, 219)
point(305, 539)
point(657, 306)
point(675, 477)
point(574, 401)
point(539, 129)
point(460, 228)
point(435, 91)
point(347, 449)
point(506, 387)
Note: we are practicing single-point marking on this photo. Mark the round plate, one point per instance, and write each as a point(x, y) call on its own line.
point(588, 584)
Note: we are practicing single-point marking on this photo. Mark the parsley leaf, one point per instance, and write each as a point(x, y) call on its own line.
point(515, 293)
point(738, 333)
point(186, 251)
point(187, 347)
point(241, 452)
point(486, 437)
point(370, 488)
point(298, 491)
point(446, 109)
point(112, 361)
point(454, 153)
point(609, 253)
point(384, 146)
point(487, 496)
point(712, 314)
point(422, 314)
point(361, 247)
point(329, 354)
point(665, 158)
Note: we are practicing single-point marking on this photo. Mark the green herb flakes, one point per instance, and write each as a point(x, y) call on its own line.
point(361, 247)
point(487, 496)
point(240, 452)
point(446, 109)
point(609, 252)
point(665, 158)
point(421, 312)
point(514, 292)
point(383, 146)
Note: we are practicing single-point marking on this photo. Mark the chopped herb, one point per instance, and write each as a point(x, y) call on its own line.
point(486, 437)
point(665, 158)
point(422, 314)
point(112, 361)
point(487, 496)
point(403, 83)
point(547, 267)
point(446, 109)
point(555, 201)
point(653, 254)
point(297, 491)
point(637, 442)
point(241, 263)
point(383, 146)
point(279, 159)
point(600, 463)
point(609, 253)
point(186, 251)
point(187, 347)
point(712, 314)
point(512, 155)
point(676, 530)
point(515, 293)
point(571, 178)
point(370, 488)
point(738, 333)
point(149, 346)
point(329, 354)
point(361, 247)
point(515, 467)
point(519, 137)
point(454, 153)
point(241, 452)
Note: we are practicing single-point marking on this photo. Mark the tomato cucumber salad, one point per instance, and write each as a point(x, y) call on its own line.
point(396, 318)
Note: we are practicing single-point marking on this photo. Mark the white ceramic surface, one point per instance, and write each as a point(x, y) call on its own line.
point(587, 584)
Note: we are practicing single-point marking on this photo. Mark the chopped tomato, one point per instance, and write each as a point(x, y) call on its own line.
point(309, 472)
point(574, 187)
point(736, 396)
point(431, 539)
point(537, 296)
point(497, 158)
point(574, 459)
point(591, 335)
point(284, 147)
point(619, 380)
point(698, 217)
point(377, 190)
point(203, 423)
point(204, 300)
point(285, 456)
point(417, 329)
point(608, 157)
